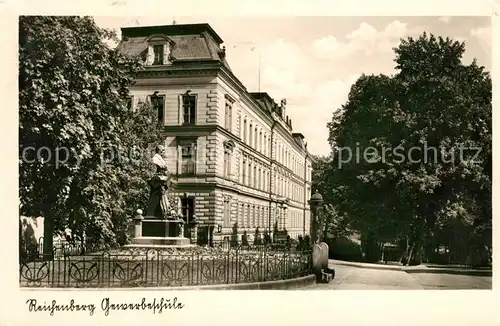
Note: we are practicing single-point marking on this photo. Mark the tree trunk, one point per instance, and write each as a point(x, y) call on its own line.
point(405, 254)
point(410, 255)
point(48, 237)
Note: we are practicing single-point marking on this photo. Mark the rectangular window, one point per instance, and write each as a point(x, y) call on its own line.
point(227, 164)
point(188, 157)
point(227, 213)
point(256, 140)
point(253, 217)
point(187, 208)
point(228, 115)
point(249, 179)
point(259, 184)
point(248, 217)
point(250, 136)
point(158, 103)
point(244, 171)
point(189, 108)
point(254, 176)
point(260, 142)
point(244, 131)
point(158, 52)
point(241, 222)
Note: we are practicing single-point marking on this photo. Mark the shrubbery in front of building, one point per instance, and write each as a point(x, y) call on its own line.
point(244, 239)
point(267, 238)
point(257, 239)
point(234, 236)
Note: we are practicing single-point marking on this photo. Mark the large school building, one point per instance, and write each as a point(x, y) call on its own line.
point(234, 153)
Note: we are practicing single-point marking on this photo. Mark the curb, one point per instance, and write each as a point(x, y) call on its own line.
point(470, 272)
point(269, 285)
point(410, 270)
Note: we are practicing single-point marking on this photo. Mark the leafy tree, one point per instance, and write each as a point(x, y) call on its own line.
point(72, 89)
point(435, 104)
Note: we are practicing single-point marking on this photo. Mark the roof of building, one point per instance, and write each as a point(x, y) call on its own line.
point(193, 42)
point(171, 30)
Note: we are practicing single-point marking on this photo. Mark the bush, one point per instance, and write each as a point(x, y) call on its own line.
point(267, 237)
point(234, 236)
point(28, 244)
point(256, 239)
point(304, 243)
point(345, 249)
point(275, 230)
point(244, 239)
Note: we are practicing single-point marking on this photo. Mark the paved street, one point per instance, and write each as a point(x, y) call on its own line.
point(452, 282)
point(355, 278)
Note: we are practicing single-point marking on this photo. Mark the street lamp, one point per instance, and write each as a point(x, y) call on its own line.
point(316, 204)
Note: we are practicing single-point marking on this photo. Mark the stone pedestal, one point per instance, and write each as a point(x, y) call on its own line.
point(160, 241)
point(154, 232)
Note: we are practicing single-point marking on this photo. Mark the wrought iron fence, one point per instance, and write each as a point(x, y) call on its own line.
point(163, 267)
point(60, 248)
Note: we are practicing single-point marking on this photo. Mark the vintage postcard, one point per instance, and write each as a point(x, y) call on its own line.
point(166, 154)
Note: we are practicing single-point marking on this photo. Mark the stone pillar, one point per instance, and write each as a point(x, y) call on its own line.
point(324, 255)
point(138, 224)
point(316, 204)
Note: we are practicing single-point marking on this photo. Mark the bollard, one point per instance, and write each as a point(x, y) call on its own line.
point(324, 263)
point(317, 261)
point(324, 255)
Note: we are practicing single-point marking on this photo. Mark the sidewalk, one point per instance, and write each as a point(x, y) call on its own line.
point(417, 269)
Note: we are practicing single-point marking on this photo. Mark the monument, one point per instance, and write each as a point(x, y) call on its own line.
point(162, 224)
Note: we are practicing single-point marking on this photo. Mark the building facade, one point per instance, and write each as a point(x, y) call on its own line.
point(233, 153)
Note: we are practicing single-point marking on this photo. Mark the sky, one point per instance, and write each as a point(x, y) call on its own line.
point(313, 61)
